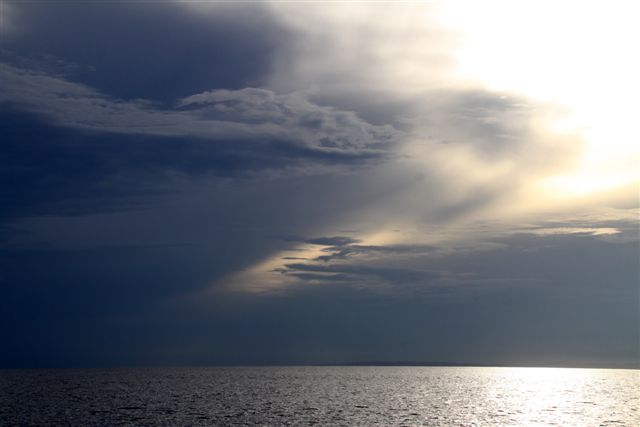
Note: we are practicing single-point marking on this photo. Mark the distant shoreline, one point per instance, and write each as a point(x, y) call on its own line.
point(373, 364)
point(473, 365)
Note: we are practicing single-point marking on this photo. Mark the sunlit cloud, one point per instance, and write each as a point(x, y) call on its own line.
point(575, 55)
point(499, 123)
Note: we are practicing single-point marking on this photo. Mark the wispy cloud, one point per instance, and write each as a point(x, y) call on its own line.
point(256, 114)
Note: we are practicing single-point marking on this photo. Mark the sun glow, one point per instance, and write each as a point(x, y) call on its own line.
point(575, 55)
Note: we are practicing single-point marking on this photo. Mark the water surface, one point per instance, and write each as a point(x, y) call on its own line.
point(367, 396)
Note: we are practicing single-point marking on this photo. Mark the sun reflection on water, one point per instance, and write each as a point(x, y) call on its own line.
point(553, 396)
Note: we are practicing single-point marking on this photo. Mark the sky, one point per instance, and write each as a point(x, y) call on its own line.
point(202, 183)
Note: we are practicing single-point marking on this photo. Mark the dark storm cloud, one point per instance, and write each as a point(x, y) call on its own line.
point(52, 169)
point(561, 263)
point(361, 273)
point(495, 315)
point(341, 247)
point(98, 152)
point(146, 159)
point(341, 252)
point(86, 299)
point(160, 51)
point(321, 127)
point(531, 296)
point(248, 113)
point(89, 145)
point(376, 108)
point(332, 241)
point(115, 209)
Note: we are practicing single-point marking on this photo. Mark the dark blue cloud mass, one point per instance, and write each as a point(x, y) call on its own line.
point(50, 169)
point(163, 201)
point(161, 51)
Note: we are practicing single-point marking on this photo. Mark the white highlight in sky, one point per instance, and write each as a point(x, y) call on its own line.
point(578, 55)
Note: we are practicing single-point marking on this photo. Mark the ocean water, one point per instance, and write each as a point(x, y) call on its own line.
point(335, 396)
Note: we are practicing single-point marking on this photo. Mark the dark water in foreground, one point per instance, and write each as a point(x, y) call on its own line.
point(432, 396)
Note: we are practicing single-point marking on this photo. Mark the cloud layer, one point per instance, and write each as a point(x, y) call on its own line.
point(278, 183)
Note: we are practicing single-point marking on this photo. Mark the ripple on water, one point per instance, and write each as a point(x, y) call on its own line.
point(433, 396)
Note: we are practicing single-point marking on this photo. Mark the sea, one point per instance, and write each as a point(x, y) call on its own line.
point(321, 396)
